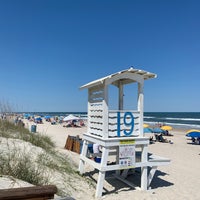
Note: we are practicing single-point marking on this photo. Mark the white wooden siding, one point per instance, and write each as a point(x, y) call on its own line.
point(95, 111)
point(113, 123)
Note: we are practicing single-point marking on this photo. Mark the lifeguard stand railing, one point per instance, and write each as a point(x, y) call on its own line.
point(118, 132)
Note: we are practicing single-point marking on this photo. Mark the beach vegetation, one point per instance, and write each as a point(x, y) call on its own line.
point(31, 157)
point(19, 165)
point(10, 130)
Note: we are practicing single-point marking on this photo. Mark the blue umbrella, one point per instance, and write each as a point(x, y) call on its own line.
point(148, 130)
point(47, 117)
point(38, 120)
point(27, 115)
point(193, 133)
point(158, 130)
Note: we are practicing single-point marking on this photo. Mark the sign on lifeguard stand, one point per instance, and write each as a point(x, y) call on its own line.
point(119, 130)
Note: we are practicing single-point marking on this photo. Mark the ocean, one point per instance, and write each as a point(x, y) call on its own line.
point(182, 120)
point(186, 120)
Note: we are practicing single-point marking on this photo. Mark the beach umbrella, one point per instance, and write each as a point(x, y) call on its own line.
point(148, 130)
point(27, 115)
point(166, 128)
point(70, 118)
point(193, 133)
point(158, 130)
point(193, 130)
point(38, 119)
point(145, 125)
point(47, 117)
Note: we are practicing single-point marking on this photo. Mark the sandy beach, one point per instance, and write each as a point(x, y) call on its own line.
point(179, 180)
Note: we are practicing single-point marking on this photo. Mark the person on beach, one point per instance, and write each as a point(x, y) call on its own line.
point(160, 138)
point(95, 152)
point(198, 140)
point(167, 133)
point(193, 140)
point(96, 148)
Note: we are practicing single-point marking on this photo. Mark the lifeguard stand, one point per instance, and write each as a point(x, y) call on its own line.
point(118, 132)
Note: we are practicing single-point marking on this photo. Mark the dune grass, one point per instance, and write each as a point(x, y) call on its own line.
point(19, 164)
point(10, 130)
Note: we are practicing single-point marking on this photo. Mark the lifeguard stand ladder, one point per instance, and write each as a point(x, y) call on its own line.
point(119, 132)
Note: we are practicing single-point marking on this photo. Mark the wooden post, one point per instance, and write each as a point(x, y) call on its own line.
point(121, 97)
point(35, 192)
point(83, 153)
point(105, 112)
point(144, 159)
point(140, 107)
point(151, 175)
point(101, 178)
point(89, 110)
point(120, 107)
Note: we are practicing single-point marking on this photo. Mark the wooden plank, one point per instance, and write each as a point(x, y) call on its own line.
point(144, 169)
point(96, 95)
point(96, 120)
point(98, 112)
point(122, 127)
point(96, 132)
point(35, 192)
point(83, 154)
point(151, 175)
point(96, 89)
point(113, 131)
point(113, 120)
point(95, 105)
point(97, 126)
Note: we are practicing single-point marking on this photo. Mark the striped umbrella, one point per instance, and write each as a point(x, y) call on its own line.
point(193, 133)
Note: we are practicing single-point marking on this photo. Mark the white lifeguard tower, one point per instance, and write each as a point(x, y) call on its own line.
point(119, 132)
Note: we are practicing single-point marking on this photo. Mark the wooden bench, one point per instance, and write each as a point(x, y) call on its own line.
point(29, 193)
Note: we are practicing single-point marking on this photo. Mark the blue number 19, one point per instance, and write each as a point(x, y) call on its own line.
point(129, 116)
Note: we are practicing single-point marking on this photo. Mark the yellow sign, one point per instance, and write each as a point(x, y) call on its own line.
point(128, 142)
point(127, 167)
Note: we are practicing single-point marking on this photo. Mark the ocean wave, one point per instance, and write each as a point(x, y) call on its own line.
point(183, 119)
point(176, 124)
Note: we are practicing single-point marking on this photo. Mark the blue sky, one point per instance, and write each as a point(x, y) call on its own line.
point(49, 48)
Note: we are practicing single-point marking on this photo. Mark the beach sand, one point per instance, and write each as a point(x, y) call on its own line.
point(179, 180)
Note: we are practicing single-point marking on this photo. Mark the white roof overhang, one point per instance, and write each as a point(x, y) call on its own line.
point(123, 77)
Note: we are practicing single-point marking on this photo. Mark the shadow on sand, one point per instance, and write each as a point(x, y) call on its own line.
point(134, 178)
point(193, 143)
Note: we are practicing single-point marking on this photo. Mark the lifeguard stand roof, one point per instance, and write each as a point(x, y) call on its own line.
point(117, 77)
